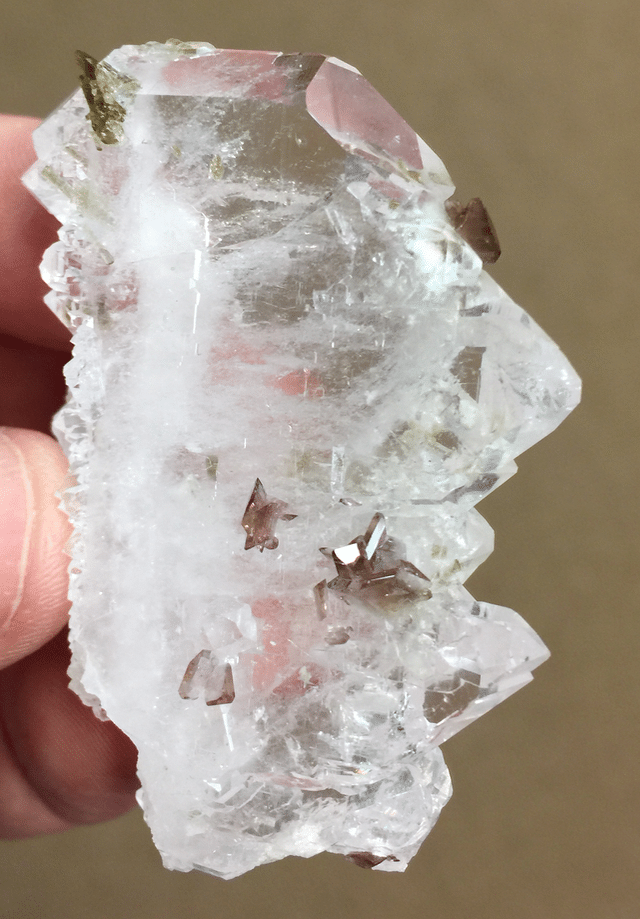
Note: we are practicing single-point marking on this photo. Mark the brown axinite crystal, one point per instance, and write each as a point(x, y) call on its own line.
point(474, 225)
point(227, 692)
point(260, 518)
point(467, 368)
point(368, 859)
point(372, 566)
point(206, 676)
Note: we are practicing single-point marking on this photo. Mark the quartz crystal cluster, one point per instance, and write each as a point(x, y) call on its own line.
point(292, 382)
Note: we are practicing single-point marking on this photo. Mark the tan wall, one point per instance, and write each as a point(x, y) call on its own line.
point(536, 108)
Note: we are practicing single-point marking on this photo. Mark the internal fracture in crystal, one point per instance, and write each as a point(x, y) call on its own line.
point(284, 339)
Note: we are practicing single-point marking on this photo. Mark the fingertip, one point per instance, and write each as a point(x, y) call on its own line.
point(34, 532)
point(69, 767)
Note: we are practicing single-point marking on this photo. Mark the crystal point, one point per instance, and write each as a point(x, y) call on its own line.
point(284, 339)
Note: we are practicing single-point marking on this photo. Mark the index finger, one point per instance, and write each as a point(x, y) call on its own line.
point(26, 230)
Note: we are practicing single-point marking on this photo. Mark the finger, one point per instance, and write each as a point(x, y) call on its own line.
point(26, 230)
point(32, 386)
point(33, 533)
point(63, 766)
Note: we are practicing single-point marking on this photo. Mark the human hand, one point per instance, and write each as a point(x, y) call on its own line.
point(59, 766)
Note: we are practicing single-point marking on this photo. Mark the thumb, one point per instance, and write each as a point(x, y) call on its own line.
point(33, 532)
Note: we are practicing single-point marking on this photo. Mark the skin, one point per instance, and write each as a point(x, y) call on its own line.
point(59, 765)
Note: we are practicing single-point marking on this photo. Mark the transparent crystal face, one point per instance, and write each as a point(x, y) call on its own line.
point(282, 343)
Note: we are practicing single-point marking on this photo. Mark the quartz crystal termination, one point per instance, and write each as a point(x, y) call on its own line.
point(292, 381)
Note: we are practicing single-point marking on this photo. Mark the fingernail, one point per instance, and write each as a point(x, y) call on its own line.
point(16, 522)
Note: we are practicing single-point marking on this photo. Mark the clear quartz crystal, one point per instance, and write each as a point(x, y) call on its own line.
point(291, 383)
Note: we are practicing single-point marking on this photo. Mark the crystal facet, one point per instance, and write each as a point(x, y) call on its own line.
point(268, 282)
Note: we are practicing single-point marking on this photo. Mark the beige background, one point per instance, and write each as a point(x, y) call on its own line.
point(535, 107)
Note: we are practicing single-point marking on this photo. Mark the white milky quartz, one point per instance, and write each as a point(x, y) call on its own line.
point(281, 345)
